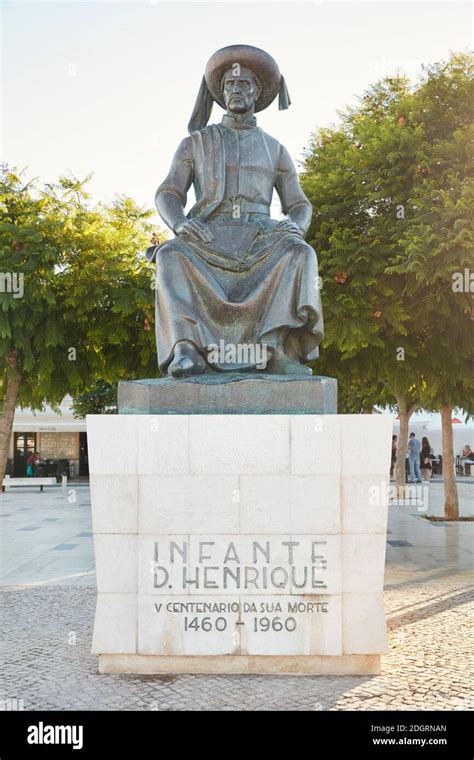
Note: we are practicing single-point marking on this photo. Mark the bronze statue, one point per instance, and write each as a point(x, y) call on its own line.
point(233, 277)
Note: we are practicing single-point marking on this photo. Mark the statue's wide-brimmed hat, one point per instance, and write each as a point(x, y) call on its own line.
point(257, 61)
point(261, 64)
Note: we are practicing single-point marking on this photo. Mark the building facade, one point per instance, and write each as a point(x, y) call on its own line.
point(58, 440)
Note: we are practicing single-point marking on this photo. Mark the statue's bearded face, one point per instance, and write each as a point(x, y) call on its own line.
point(240, 90)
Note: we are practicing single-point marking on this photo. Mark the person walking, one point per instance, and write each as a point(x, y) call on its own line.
point(414, 451)
point(425, 459)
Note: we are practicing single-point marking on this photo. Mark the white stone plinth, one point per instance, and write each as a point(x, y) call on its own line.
point(239, 543)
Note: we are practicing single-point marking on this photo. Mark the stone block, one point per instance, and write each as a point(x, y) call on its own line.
point(244, 444)
point(239, 542)
point(202, 503)
point(229, 393)
point(363, 562)
point(115, 503)
point(112, 444)
point(295, 503)
point(361, 444)
point(316, 445)
point(163, 445)
point(116, 561)
point(365, 503)
point(364, 630)
point(115, 625)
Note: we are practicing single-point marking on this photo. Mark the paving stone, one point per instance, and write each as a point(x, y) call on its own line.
point(429, 608)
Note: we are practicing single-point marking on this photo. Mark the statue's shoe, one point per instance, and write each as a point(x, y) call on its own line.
point(280, 364)
point(187, 361)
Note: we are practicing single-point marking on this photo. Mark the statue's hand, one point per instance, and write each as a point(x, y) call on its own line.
point(287, 226)
point(195, 229)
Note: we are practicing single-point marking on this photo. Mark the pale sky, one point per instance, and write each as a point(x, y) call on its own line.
point(108, 87)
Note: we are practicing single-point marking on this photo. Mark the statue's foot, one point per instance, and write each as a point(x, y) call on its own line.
point(280, 364)
point(187, 360)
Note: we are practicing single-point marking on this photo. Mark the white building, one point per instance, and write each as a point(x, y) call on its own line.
point(56, 438)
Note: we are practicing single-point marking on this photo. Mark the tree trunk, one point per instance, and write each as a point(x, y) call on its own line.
point(404, 414)
point(13, 382)
point(451, 501)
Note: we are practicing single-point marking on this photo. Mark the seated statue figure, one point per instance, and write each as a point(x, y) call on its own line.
point(233, 276)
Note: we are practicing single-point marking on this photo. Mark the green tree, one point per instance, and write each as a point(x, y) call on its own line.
point(100, 398)
point(437, 248)
point(357, 177)
point(87, 302)
point(391, 188)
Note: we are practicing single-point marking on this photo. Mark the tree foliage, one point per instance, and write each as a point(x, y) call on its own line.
point(76, 296)
point(87, 289)
point(100, 398)
point(392, 191)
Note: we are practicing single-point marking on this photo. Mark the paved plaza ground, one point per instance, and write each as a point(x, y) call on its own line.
point(48, 601)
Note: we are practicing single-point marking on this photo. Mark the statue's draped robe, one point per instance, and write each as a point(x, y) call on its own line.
point(252, 285)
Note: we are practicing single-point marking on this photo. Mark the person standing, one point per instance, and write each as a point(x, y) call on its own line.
point(426, 452)
point(394, 454)
point(30, 461)
point(414, 451)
